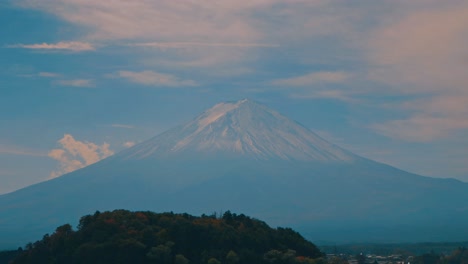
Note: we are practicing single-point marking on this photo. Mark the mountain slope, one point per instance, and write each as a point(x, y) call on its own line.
point(247, 158)
point(240, 128)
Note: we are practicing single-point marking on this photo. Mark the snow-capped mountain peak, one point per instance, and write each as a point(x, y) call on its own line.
point(245, 129)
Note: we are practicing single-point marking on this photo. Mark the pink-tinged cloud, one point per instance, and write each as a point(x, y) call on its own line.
point(424, 54)
point(48, 74)
point(182, 45)
point(75, 154)
point(152, 78)
point(87, 83)
point(314, 78)
point(74, 46)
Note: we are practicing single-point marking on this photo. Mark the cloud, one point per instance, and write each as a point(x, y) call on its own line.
point(41, 74)
point(432, 118)
point(423, 55)
point(321, 84)
point(15, 150)
point(48, 74)
point(75, 154)
point(420, 128)
point(324, 94)
point(122, 126)
point(227, 32)
point(76, 83)
point(152, 78)
point(180, 45)
point(74, 46)
point(405, 49)
point(314, 78)
point(129, 144)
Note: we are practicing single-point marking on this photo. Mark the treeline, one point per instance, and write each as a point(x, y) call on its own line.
point(144, 237)
point(407, 249)
point(459, 256)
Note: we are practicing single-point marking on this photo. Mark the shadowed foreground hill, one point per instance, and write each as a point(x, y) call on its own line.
point(144, 237)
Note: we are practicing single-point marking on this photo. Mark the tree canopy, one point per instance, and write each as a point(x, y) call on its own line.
point(122, 236)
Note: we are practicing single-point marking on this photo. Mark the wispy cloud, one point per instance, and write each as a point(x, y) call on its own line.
point(314, 78)
point(21, 151)
point(48, 74)
point(41, 74)
point(152, 78)
point(415, 48)
point(74, 154)
point(129, 144)
point(122, 126)
point(423, 54)
point(74, 46)
point(227, 30)
point(317, 85)
point(430, 119)
point(178, 45)
point(323, 94)
point(88, 83)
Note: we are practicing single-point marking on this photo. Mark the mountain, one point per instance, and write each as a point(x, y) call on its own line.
point(245, 129)
point(244, 157)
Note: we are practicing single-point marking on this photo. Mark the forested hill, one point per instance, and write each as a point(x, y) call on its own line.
point(144, 237)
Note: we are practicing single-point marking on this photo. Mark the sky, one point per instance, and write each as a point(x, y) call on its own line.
point(82, 79)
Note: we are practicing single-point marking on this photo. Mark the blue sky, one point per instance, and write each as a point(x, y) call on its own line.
point(82, 79)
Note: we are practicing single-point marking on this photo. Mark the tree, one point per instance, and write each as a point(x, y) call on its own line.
point(161, 253)
point(180, 259)
point(232, 257)
point(213, 261)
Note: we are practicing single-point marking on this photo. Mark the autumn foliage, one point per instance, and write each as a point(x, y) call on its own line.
point(144, 237)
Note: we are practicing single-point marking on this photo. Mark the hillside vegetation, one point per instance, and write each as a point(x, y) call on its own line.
point(145, 237)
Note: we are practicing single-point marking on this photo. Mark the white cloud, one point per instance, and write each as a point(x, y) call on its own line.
point(74, 46)
point(152, 78)
point(76, 83)
point(314, 78)
point(129, 144)
point(75, 154)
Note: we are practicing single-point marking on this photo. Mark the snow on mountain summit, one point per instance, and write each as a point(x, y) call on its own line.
point(244, 128)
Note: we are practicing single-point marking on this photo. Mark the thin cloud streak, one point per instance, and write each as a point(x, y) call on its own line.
point(314, 78)
point(48, 74)
point(86, 83)
point(129, 144)
point(177, 45)
point(13, 150)
point(152, 78)
point(74, 46)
